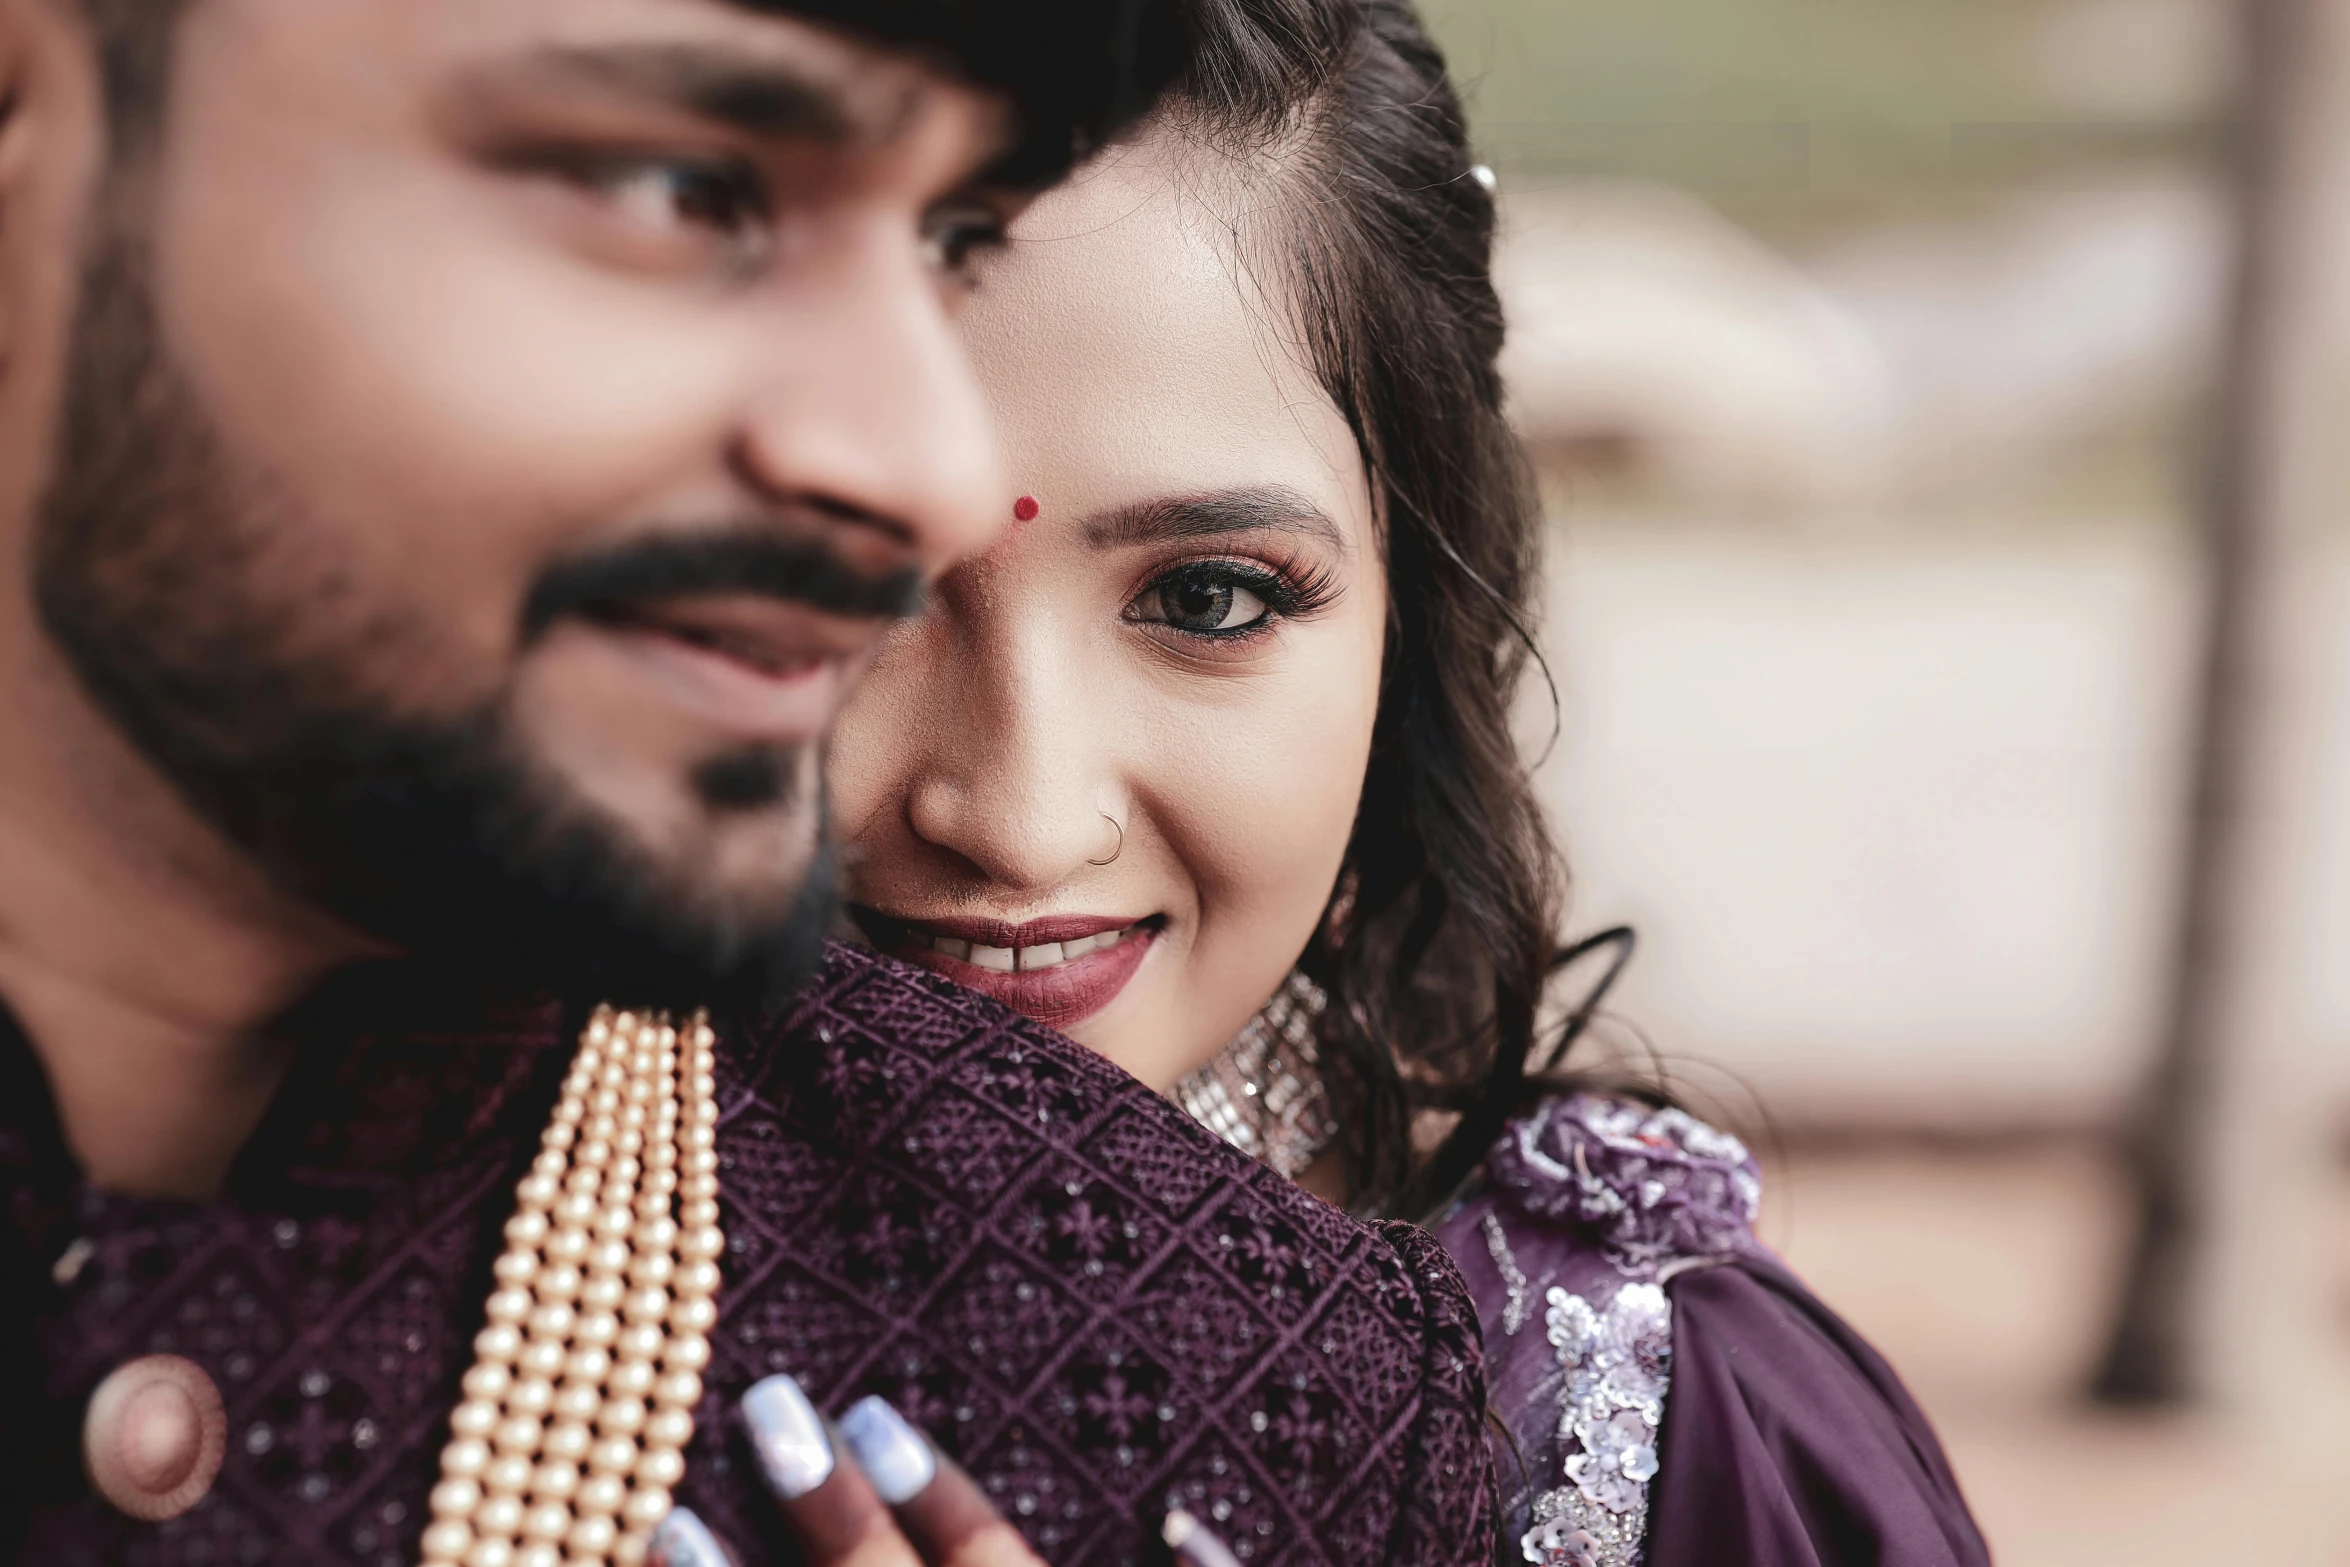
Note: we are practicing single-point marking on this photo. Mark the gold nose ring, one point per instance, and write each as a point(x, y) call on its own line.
point(1119, 828)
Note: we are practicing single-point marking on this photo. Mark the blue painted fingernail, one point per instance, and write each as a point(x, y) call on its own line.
point(788, 1436)
point(1192, 1544)
point(894, 1456)
point(683, 1540)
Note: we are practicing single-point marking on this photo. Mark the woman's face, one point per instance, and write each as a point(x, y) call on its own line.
point(1173, 658)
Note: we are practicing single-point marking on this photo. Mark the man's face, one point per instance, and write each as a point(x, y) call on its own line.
point(497, 433)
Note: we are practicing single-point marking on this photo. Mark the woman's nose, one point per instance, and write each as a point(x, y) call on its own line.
point(1027, 794)
point(1026, 839)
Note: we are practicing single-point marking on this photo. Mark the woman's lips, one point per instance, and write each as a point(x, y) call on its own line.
point(1058, 971)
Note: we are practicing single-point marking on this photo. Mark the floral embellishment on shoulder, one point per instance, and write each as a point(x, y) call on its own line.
point(1655, 1187)
point(1654, 1191)
point(1619, 1366)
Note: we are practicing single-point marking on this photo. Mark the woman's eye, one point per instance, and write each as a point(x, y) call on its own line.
point(1203, 601)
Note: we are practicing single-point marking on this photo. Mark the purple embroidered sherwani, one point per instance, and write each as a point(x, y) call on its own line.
point(1672, 1394)
point(1097, 1308)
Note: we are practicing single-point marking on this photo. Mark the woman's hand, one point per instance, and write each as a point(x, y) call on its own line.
point(896, 1502)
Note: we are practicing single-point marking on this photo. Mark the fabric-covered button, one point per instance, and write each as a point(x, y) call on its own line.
point(154, 1437)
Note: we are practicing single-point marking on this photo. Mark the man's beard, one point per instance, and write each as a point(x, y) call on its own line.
point(179, 592)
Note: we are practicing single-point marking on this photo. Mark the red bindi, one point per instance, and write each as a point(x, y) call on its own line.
point(1025, 508)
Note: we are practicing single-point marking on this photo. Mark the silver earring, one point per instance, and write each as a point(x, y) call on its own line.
point(1120, 829)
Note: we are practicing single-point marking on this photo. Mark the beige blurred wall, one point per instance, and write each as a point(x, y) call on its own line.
point(1873, 595)
point(1896, 817)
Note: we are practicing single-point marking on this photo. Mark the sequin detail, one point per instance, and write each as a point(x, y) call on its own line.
point(1654, 1186)
point(1660, 1191)
point(1618, 1366)
point(1264, 1093)
point(1513, 1277)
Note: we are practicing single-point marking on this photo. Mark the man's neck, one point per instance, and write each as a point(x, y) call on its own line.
point(141, 955)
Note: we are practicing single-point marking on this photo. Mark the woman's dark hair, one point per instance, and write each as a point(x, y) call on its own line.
point(1438, 943)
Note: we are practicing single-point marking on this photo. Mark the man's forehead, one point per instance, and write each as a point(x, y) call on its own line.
point(1050, 78)
point(821, 92)
point(719, 51)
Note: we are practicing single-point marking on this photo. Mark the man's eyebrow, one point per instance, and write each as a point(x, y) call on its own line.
point(1269, 508)
point(758, 96)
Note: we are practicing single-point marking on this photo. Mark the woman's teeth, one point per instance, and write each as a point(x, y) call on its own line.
point(1022, 960)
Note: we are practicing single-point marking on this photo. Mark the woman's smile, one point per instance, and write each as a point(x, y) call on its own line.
point(1154, 700)
point(1058, 970)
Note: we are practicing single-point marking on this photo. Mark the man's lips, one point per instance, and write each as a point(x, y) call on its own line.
point(1059, 970)
point(770, 636)
point(761, 669)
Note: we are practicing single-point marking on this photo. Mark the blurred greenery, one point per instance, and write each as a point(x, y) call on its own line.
point(1793, 111)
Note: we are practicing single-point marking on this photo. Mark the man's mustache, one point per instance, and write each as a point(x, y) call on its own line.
point(796, 570)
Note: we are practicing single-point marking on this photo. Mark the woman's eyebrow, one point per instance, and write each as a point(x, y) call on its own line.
point(1269, 508)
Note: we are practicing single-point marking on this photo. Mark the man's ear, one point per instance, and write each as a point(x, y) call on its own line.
point(52, 154)
point(17, 44)
point(37, 36)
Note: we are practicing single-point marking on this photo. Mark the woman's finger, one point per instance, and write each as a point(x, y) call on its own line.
point(683, 1540)
point(1193, 1545)
point(831, 1507)
point(951, 1506)
point(947, 1517)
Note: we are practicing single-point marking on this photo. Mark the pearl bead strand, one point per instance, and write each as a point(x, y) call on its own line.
point(579, 1405)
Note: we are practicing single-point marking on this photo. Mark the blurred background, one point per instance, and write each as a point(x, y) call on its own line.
point(1923, 390)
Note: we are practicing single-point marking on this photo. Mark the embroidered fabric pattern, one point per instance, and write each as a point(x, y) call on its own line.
point(1619, 1368)
point(1096, 1308)
point(1093, 1306)
point(1264, 1094)
point(1655, 1186)
point(1657, 1190)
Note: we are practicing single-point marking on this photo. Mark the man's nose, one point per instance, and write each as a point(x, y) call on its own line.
point(868, 412)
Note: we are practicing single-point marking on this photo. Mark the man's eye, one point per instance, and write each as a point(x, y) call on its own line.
point(1205, 601)
point(665, 195)
point(956, 232)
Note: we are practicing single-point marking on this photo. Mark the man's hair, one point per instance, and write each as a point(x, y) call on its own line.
point(1076, 71)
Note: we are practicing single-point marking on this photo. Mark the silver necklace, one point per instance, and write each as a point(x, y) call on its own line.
point(1263, 1094)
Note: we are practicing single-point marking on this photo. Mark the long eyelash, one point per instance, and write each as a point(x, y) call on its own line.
point(1291, 589)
